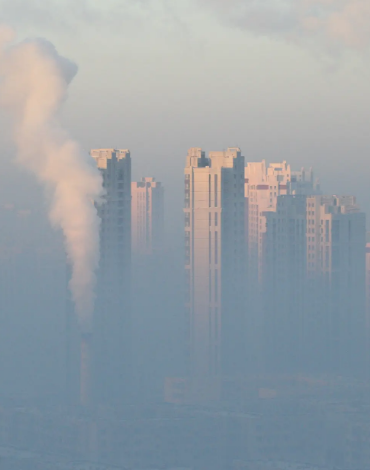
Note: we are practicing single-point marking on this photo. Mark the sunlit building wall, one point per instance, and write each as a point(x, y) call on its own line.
point(147, 216)
point(214, 260)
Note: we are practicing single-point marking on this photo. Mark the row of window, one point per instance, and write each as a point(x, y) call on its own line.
point(215, 190)
point(215, 248)
point(216, 219)
point(215, 290)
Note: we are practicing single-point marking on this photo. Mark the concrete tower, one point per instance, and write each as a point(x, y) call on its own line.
point(147, 215)
point(214, 261)
point(112, 325)
point(336, 238)
point(284, 282)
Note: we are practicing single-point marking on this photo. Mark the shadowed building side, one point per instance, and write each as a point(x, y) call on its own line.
point(284, 268)
point(112, 322)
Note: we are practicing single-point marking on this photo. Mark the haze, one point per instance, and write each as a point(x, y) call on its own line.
point(285, 81)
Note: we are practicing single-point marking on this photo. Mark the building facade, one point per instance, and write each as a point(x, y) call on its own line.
point(284, 283)
point(112, 322)
point(147, 217)
point(336, 238)
point(214, 261)
point(264, 185)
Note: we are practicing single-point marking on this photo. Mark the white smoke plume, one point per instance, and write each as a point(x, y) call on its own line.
point(34, 80)
point(332, 23)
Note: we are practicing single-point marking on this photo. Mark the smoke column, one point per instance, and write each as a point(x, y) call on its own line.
point(34, 80)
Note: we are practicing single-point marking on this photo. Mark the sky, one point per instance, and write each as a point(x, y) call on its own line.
point(280, 79)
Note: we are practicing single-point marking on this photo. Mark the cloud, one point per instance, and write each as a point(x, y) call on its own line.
point(24, 213)
point(68, 15)
point(8, 206)
point(331, 23)
point(47, 14)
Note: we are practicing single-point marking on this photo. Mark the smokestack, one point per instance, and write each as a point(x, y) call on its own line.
point(85, 369)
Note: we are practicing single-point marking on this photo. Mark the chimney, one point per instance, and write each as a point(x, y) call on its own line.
point(85, 369)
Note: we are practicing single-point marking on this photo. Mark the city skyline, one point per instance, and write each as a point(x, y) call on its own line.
point(184, 235)
point(271, 200)
point(228, 200)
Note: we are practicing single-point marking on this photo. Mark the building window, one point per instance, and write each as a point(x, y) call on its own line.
point(216, 190)
point(209, 190)
point(216, 285)
point(335, 231)
point(327, 257)
point(187, 255)
point(187, 219)
point(216, 247)
point(327, 230)
point(187, 239)
point(210, 248)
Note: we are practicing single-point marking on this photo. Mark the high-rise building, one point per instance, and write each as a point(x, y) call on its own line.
point(303, 182)
point(150, 292)
point(147, 217)
point(335, 323)
point(112, 324)
point(284, 279)
point(214, 261)
point(264, 184)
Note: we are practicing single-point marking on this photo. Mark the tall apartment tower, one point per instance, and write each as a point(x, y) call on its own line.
point(303, 182)
point(336, 238)
point(147, 217)
point(264, 184)
point(214, 261)
point(284, 280)
point(112, 325)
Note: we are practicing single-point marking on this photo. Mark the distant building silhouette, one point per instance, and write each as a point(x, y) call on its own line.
point(284, 280)
point(335, 323)
point(264, 184)
point(112, 322)
point(147, 217)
